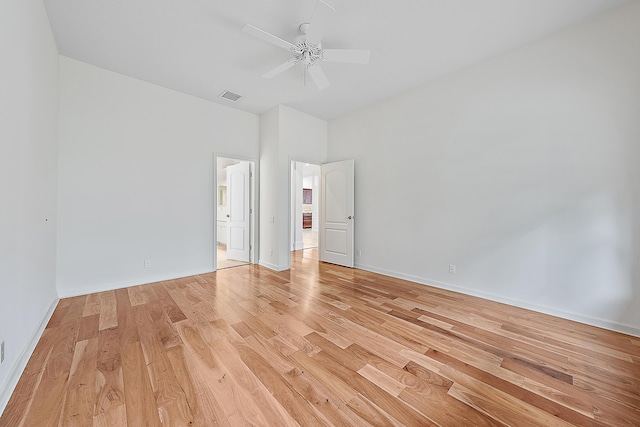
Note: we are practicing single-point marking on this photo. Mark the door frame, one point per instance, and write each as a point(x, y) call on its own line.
point(254, 200)
point(289, 202)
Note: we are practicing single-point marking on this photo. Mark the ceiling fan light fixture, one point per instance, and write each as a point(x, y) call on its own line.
point(307, 49)
point(306, 52)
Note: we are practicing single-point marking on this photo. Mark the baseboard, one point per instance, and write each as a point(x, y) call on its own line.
point(271, 266)
point(589, 320)
point(6, 389)
point(74, 292)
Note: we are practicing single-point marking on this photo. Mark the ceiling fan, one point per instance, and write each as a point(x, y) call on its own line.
point(307, 49)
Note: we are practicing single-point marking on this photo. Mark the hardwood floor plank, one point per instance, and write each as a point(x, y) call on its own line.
point(92, 305)
point(322, 399)
point(80, 401)
point(163, 325)
point(319, 345)
point(108, 312)
point(385, 382)
point(76, 308)
point(48, 400)
point(22, 398)
point(475, 379)
point(267, 409)
point(127, 328)
point(498, 410)
point(173, 312)
point(371, 413)
point(109, 382)
point(205, 409)
point(292, 401)
point(224, 397)
point(394, 407)
point(141, 409)
point(170, 400)
point(89, 327)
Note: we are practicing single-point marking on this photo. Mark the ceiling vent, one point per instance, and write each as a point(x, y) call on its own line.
point(230, 96)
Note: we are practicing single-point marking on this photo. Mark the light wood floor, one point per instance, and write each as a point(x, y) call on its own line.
point(309, 238)
point(223, 262)
point(319, 345)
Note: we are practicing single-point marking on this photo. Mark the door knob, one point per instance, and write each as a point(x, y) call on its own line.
point(349, 217)
point(227, 215)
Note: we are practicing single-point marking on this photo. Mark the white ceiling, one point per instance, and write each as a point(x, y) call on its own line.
point(198, 47)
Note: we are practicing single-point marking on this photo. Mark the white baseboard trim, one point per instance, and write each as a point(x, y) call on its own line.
point(589, 320)
point(6, 389)
point(74, 292)
point(271, 266)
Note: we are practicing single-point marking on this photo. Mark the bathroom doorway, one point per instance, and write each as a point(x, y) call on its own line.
point(234, 212)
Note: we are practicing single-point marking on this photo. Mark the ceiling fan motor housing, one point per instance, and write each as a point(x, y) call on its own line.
point(307, 52)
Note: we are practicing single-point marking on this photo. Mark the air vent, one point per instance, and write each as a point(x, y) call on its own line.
point(230, 96)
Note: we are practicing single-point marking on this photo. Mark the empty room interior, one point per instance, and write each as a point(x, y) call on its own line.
point(320, 212)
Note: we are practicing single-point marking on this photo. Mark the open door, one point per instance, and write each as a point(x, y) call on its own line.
point(238, 216)
point(336, 213)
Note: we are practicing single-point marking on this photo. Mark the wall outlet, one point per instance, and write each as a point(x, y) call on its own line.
point(147, 263)
point(358, 252)
point(270, 252)
point(452, 269)
point(2, 352)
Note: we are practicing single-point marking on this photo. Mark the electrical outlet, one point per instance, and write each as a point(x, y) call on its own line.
point(358, 252)
point(270, 252)
point(452, 269)
point(147, 263)
point(2, 352)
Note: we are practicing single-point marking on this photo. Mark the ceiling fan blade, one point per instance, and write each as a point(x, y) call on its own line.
point(327, 4)
point(318, 76)
point(280, 69)
point(321, 18)
point(353, 56)
point(268, 37)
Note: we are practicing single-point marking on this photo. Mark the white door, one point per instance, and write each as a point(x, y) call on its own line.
point(238, 216)
point(336, 213)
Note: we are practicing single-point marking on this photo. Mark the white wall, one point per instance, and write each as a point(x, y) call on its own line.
point(269, 152)
point(136, 178)
point(521, 170)
point(285, 134)
point(28, 164)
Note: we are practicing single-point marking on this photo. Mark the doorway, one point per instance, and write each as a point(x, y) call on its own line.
point(305, 202)
point(234, 212)
point(330, 191)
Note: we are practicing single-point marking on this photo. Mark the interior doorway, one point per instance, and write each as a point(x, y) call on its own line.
point(328, 191)
point(234, 212)
point(305, 202)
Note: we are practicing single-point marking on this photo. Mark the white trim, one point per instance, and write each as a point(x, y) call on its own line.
point(7, 389)
point(271, 266)
point(74, 292)
point(589, 320)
